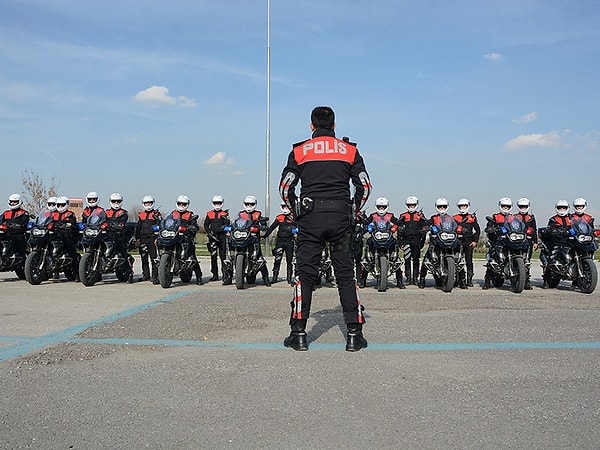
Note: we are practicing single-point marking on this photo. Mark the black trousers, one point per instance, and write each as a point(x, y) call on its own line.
point(217, 248)
point(281, 247)
point(152, 252)
point(316, 228)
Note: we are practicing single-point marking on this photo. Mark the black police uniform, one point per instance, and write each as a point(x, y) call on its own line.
point(117, 220)
point(190, 221)
point(15, 222)
point(147, 240)
point(469, 232)
point(65, 226)
point(325, 166)
point(284, 243)
point(411, 236)
point(214, 225)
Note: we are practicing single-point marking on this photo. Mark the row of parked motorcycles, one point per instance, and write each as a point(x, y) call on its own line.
point(507, 258)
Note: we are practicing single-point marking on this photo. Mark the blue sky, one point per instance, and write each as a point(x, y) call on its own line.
point(477, 99)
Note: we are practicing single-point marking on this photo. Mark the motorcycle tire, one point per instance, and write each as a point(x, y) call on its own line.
point(185, 276)
point(383, 273)
point(498, 281)
point(165, 276)
point(450, 273)
point(87, 275)
point(517, 281)
point(35, 268)
point(122, 273)
point(589, 278)
point(20, 272)
point(552, 280)
point(240, 264)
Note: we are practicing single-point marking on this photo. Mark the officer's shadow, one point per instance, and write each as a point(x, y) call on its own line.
point(327, 319)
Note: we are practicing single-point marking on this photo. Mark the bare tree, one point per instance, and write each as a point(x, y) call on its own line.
point(36, 191)
point(135, 211)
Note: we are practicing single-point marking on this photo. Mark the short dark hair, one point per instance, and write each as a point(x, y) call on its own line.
point(322, 117)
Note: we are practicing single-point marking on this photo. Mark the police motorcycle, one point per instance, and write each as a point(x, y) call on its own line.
point(10, 260)
point(572, 261)
point(48, 254)
point(325, 267)
point(242, 253)
point(507, 257)
point(381, 256)
point(100, 252)
point(444, 257)
point(173, 251)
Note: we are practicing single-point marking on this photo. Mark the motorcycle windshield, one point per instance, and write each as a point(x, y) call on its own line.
point(170, 223)
point(383, 224)
point(582, 227)
point(97, 218)
point(514, 224)
point(241, 223)
point(43, 219)
point(448, 224)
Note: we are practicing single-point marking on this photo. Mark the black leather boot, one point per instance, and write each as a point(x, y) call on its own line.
point(297, 337)
point(355, 339)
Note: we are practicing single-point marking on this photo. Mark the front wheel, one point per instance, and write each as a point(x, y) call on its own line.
point(450, 273)
point(517, 280)
point(87, 274)
point(589, 276)
point(239, 271)
point(165, 276)
point(383, 274)
point(35, 268)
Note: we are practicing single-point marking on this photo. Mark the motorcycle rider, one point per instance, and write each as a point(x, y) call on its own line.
point(381, 214)
point(189, 222)
point(64, 224)
point(214, 222)
point(494, 229)
point(284, 242)
point(556, 233)
point(326, 214)
point(14, 222)
point(469, 232)
point(92, 205)
point(532, 236)
point(411, 235)
point(579, 205)
point(116, 219)
point(145, 238)
point(250, 213)
point(51, 203)
point(441, 205)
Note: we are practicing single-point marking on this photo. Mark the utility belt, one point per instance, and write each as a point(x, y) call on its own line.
point(307, 204)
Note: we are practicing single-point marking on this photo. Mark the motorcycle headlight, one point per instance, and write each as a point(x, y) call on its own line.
point(240, 234)
point(516, 236)
point(381, 235)
point(168, 233)
point(444, 236)
point(583, 238)
point(37, 232)
point(91, 233)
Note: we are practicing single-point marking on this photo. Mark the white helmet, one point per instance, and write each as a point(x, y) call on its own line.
point(463, 202)
point(411, 203)
point(51, 203)
point(523, 205)
point(504, 201)
point(382, 205)
point(92, 199)
point(562, 207)
point(148, 202)
point(183, 201)
point(115, 200)
point(14, 201)
point(579, 204)
point(441, 204)
point(62, 204)
point(217, 202)
point(284, 208)
point(250, 203)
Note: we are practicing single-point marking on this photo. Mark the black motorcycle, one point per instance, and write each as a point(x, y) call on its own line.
point(243, 253)
point(507, 256)
point(10, 260)
point(444, 257)
point(572, 261)
point(174, 253)
point(100, 252)
point(48, 254)
point(381, 256)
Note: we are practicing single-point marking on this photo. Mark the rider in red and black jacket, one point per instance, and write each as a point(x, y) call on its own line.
point(145, 238)
point(64, 224)
point(189, 228)
point(411, 236)
point(116, 219)
point(214, 224)
point(494, 229)
point(469, 232)
point(532, 235)
point(284, 242)
point(14, 223)
point(92, 205)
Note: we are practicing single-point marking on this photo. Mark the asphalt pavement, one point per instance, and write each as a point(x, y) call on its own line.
point(133, 366)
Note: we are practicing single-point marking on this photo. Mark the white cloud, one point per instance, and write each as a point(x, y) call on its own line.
point(527, 118)
point(218, 158)
point(159, 95)
point(492, 56)
point(552, 139)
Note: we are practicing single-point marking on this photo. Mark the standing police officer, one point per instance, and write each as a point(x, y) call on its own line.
point(145, 238)
point(325, 213)
point(214, 224)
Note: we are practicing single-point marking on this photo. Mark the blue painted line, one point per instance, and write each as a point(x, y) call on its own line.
point(36, 343)
point(450, 346)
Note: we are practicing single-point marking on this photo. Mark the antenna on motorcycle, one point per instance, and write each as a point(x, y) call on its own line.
point(475, 212)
